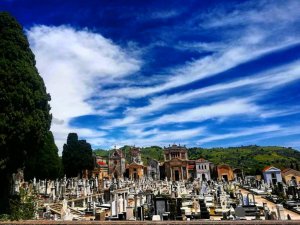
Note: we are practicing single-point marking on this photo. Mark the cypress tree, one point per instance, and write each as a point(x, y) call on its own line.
point(24, 110)
point(77, 156)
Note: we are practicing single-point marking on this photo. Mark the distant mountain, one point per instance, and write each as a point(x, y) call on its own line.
point(251, 158)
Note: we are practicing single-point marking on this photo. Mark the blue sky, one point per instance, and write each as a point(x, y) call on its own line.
point(200, 73)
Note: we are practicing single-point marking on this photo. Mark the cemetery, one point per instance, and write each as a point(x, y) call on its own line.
point(117, 195)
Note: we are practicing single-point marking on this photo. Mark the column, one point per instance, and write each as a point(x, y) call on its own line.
point(187, 171)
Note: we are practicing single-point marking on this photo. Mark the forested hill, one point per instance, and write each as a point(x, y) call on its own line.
point(251, 158)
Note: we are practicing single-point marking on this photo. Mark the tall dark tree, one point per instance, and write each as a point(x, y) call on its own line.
point(77, 156)
point(24, 109)
point(45, 164)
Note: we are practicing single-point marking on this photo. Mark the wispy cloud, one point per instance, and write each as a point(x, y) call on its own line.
point(88, 74)
point(247, 131)
point(261, 82)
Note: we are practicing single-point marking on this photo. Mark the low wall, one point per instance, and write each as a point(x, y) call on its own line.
point(236, 222)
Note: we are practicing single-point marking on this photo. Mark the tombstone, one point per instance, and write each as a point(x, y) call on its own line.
point(156, 218)
point(178, 207)
point(106, 195)
point(266, 211)
point(240, 212)
point(160, 206)
point(231, 211)
point(140, 213)
point(224, 216)
point(280, 212)
point(121, 204)
point(273, 215)
point(113, 208)
point(53, 194)
point(129, 213)
point(223, 200)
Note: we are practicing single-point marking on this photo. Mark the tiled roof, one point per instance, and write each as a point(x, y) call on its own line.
point(269, 167)
point(101, 163)
point(201, 160)
point(290, 171)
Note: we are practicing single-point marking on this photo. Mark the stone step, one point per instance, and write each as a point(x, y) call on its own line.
point(56, 208)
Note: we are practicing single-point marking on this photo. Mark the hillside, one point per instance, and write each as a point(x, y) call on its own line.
point(250, 158)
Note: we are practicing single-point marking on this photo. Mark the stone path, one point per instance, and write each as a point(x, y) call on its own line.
point(272, 206)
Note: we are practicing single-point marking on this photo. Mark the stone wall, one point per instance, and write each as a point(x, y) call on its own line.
point(241, 222)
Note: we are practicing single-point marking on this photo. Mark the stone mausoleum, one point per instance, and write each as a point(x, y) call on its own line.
point(176, 162)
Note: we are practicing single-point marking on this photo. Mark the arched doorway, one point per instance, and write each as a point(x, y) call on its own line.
point(176, 175)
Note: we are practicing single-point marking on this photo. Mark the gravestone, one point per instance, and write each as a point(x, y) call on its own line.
point(240, 211)
point(160, 206)
point(129, 213)
point(113, 208)
point(140, 214)
point(280, 212)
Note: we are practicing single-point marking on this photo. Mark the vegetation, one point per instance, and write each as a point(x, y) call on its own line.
point(45, 164)
point(154, 152)
point(77, 156)
point(23, 206)
point(251, 159)
point(24, 113)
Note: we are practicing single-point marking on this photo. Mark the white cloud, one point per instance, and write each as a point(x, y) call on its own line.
point(74, 64)
point(227, 108)
point(241, 133)
point(261, 82)
point(202, 68)
point(162, 137)
point(267, 13)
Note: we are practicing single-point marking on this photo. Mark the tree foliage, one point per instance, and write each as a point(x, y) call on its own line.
point(77, 156)
point(45, 164)
point(24, 109)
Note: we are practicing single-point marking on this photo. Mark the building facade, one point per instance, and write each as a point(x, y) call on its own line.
point(272, 175)
point(202, 169)
point(100, 169)
point(153, 170)
point(291, 177)
point(225, 173)
point(135, 166)
point(176, 162)
point(116, 164)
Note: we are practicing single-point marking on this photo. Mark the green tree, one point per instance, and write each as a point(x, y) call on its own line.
point(24, 109)
point(45, 164)
point(77, 156)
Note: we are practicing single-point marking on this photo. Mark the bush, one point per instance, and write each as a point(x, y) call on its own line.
point(23, 206)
